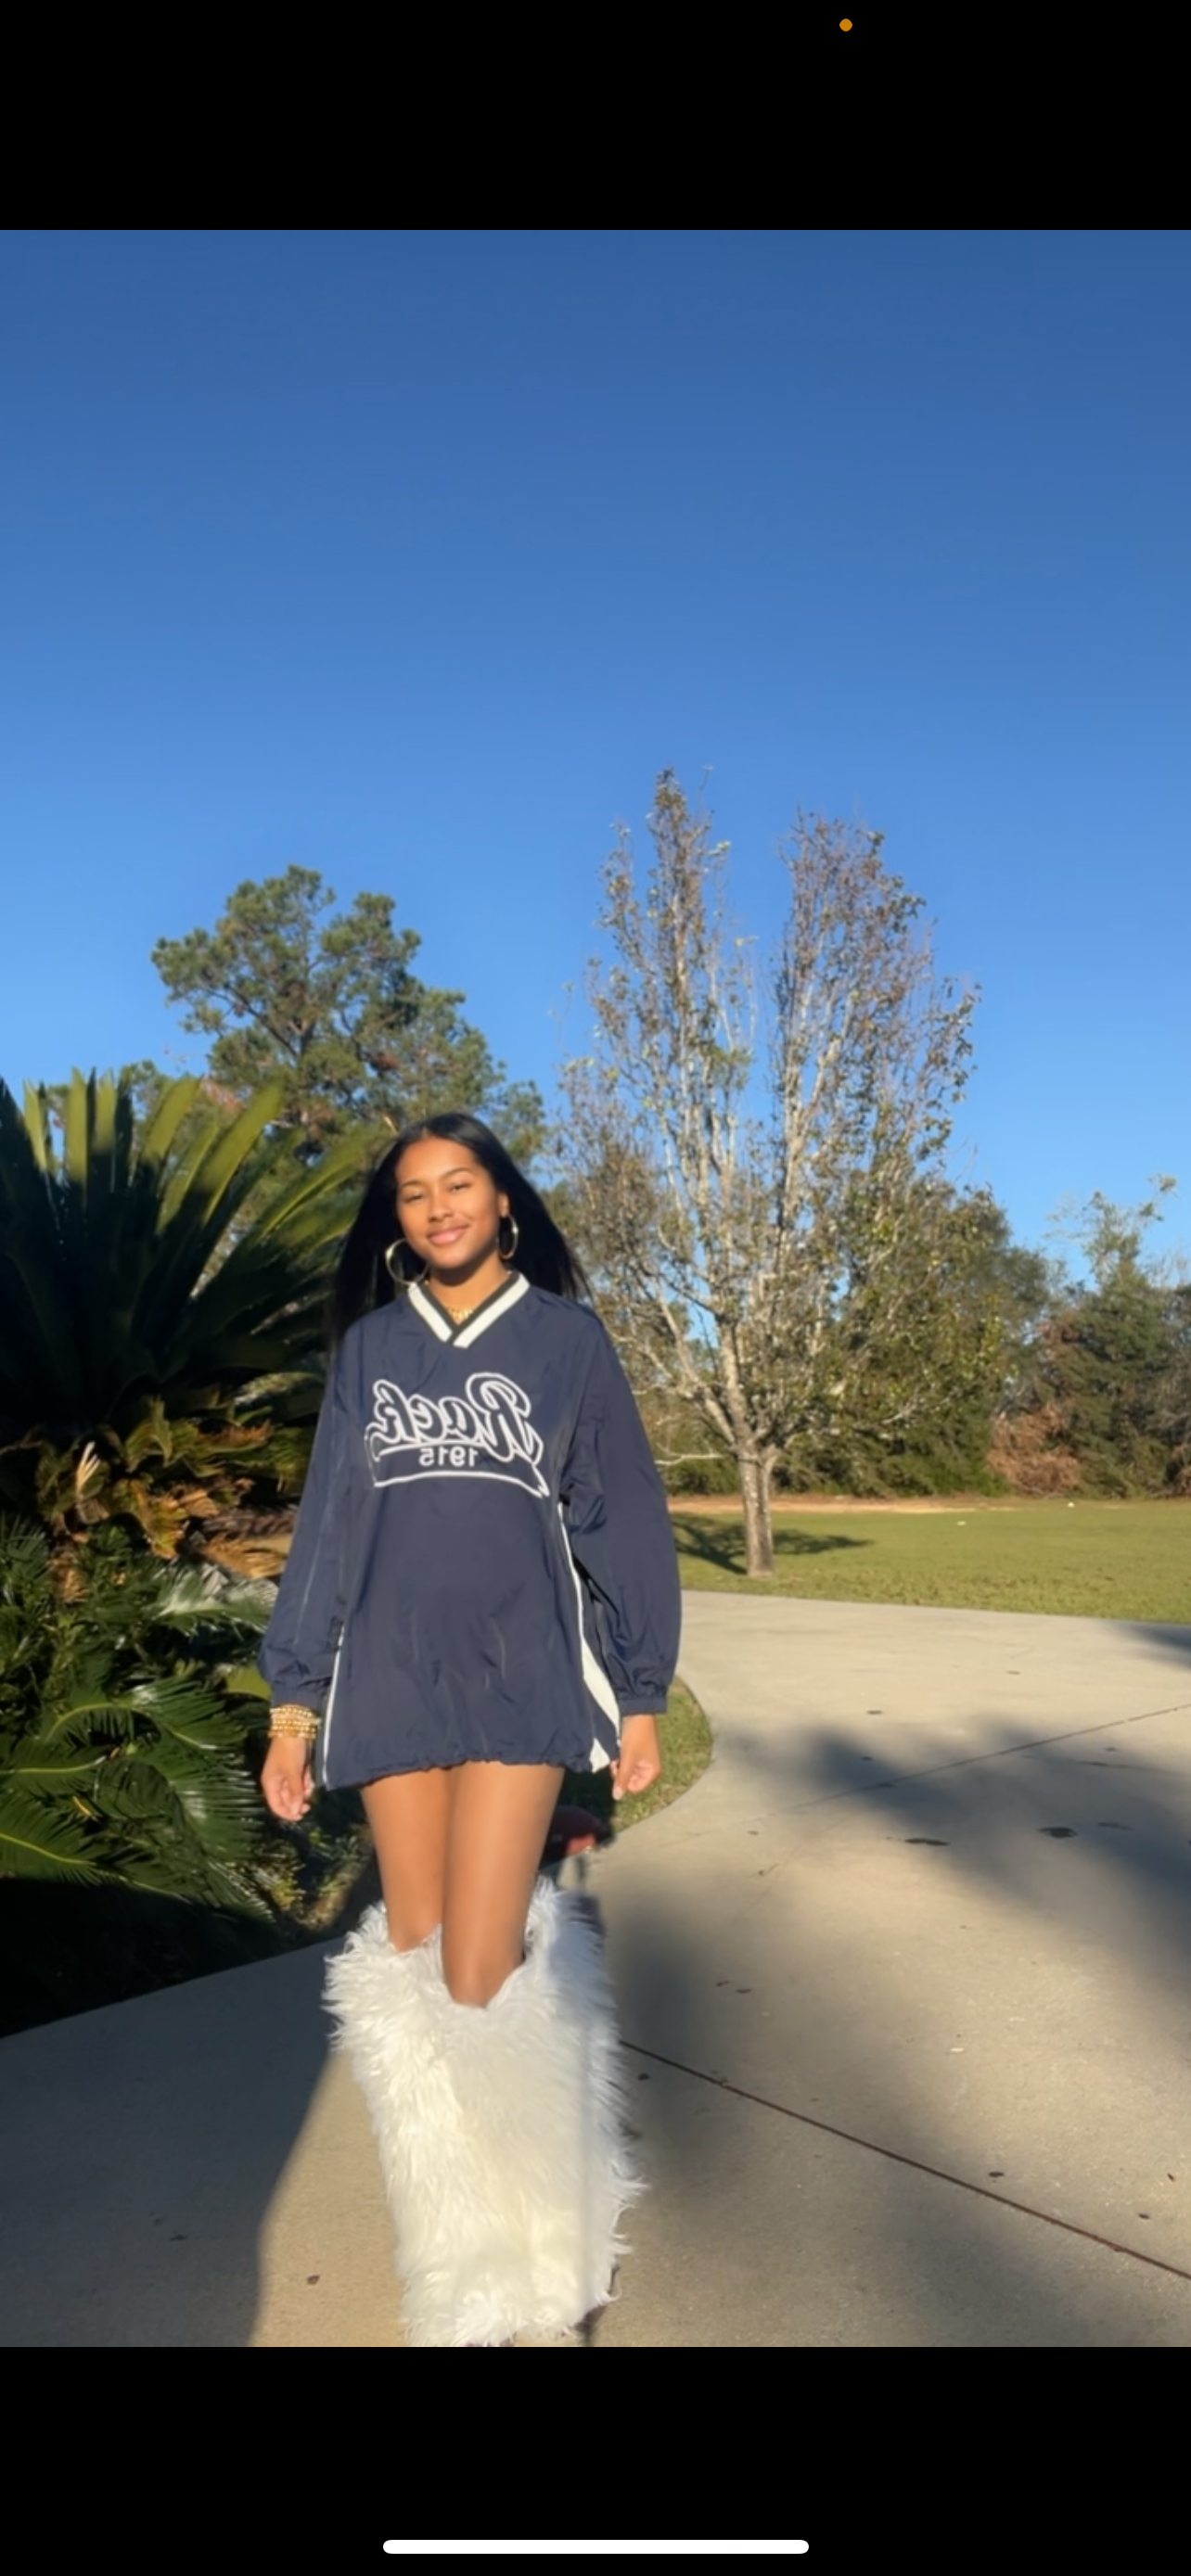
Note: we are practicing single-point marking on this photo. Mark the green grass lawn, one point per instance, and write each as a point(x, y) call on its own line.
point(1093, 1560)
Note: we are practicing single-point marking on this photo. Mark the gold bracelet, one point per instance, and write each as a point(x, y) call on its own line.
point(291, 1720)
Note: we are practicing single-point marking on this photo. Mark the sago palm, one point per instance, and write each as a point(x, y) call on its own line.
point(161, 1305)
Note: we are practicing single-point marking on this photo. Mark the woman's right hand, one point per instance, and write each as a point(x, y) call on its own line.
point(287, 1781)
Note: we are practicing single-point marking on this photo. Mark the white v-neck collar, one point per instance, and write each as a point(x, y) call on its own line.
point(463, 1335)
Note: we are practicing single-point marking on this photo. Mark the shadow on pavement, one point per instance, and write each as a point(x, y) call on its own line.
point(140, 2148)
point(1163, 1638)
point(1113, 1874)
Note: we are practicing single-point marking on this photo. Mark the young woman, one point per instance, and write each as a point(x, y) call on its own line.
point(481, 1594)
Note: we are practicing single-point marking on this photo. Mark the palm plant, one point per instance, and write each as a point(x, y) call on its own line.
point(161, 1306)
point(122, 1721)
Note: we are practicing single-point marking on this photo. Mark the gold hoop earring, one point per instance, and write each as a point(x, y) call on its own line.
point(508, 1220)
point(400, 1277)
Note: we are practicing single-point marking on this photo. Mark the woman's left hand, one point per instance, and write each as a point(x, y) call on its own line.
point(640, 1757)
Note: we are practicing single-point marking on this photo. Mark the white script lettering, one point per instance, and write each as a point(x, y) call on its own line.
point(485, 1432)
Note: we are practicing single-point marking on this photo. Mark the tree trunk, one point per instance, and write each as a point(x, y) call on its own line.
point(758, 1522)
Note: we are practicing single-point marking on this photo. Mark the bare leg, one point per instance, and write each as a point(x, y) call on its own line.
point(500, 2131)
point(500, 1812)
point(409, 1814)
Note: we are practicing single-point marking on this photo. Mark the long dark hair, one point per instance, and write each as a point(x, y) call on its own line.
point(362, 1281)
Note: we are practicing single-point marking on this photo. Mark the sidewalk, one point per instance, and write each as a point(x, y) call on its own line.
point(933, 1893)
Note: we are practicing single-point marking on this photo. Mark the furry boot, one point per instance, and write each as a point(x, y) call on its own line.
point(499, 2126)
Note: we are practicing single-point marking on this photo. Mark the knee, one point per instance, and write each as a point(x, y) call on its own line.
point(473, 1978)
point(466, 1987)
point(408, 1932)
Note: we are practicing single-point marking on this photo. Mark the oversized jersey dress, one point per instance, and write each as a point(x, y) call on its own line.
point(483, 1567)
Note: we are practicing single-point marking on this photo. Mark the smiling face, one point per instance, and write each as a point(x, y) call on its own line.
point(449, 1208)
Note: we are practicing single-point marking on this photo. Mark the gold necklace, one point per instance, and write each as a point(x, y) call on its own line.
point(459, 1314)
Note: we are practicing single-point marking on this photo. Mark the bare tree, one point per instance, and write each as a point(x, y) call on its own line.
point(756, 1150)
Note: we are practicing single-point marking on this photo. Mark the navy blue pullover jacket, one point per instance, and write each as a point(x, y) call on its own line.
point(483, 1567)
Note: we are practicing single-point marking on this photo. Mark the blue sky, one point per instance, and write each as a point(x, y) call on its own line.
point(414, 557)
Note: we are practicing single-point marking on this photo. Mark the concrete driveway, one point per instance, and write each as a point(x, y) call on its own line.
point(904, 1989)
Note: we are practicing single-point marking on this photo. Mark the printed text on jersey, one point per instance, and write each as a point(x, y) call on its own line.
point(485, 1432)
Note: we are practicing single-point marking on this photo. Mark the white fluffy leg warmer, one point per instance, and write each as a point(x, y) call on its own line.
point(499, 2127)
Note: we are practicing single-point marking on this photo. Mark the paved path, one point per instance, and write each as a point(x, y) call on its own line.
point(904, 1983)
